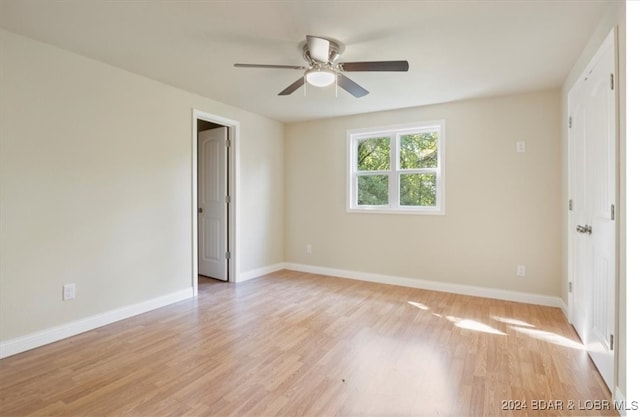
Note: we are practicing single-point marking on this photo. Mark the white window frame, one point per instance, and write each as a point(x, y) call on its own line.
point(395, 131)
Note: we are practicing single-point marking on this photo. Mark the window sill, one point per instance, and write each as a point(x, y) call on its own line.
point(420, 212)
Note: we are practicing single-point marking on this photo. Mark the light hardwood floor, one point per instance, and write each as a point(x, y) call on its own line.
point(295, 344)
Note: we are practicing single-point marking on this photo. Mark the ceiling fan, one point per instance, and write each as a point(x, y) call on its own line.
point(322, 70)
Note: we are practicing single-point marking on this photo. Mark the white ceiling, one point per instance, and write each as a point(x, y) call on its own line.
point(456, 49)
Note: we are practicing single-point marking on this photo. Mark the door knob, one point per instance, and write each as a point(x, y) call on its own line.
point(584, 229)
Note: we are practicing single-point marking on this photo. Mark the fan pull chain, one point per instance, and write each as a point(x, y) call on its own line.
point(336, 84)
point(305, 86)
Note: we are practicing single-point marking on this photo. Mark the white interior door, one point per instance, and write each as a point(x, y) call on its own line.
point(592, 220)
point(212, 203)
point(580, 285)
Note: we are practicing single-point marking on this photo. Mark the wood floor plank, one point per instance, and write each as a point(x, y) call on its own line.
point(297, 344)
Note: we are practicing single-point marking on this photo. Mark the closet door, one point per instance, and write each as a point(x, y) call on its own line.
point(592, 139)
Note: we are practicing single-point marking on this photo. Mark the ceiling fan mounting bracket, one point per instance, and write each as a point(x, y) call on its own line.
point(335, 50)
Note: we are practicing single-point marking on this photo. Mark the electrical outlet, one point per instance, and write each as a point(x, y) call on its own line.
point(521, 270)
point(520, 147)
point(309, 249)
point(68, 291)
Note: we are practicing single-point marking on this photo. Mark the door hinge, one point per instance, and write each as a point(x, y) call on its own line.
point(570, 122)
point(570, 205)
point(611, 76)
point(227, 199)
point(227, 143)
point(610, 342)
point(570, 286)
point(613, 212)
point(227, 255)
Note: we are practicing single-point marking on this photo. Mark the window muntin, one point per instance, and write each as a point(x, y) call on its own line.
point(397, 169)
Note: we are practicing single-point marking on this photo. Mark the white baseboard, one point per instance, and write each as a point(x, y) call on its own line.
point(54, 334)
point(20, 344)
point(258, 272)
point(564, 308)
point(522, 297)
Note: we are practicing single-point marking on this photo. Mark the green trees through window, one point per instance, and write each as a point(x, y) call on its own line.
point(419, 150)
point(397, 169)
point(374, 154)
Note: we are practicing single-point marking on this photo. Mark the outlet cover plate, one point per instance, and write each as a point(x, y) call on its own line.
point(68, 291)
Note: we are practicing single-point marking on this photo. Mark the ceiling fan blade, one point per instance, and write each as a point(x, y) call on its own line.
point(297, 67)
point(376, 66)
point(318, 48)
point(351, 86)
point(293, 87)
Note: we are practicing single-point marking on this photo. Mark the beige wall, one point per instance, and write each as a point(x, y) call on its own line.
point(501, 206)
point(615, 17)
point(96, 187)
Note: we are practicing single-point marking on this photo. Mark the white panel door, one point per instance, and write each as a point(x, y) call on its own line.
point(581, 270)
point(601, 162)
point(593, 147)
point(212, 203)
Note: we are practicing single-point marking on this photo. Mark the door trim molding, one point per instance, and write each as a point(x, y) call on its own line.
point(234, 135)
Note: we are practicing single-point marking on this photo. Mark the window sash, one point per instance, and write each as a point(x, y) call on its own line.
point(394, 187)
point(395, 171)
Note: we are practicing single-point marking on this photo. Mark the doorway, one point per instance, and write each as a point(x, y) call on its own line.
point(214, 141)
point(593, 197)
point(213, 201)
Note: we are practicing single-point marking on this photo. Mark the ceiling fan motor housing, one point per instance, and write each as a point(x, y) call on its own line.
point(335, 50)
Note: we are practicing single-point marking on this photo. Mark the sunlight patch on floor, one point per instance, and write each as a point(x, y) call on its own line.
point(514, 322)
point(474, 325)
point(517, 325)
point(418, 305)
point(550, 337)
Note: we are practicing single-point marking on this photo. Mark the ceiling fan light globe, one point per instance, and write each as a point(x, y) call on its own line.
point(320, 78)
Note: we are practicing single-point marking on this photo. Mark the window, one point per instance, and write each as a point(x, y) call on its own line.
point(399, 169)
